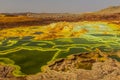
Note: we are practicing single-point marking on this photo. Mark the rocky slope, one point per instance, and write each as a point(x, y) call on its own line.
point(110, 10)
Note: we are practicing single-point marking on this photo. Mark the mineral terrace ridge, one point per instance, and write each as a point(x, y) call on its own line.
point(60, 46)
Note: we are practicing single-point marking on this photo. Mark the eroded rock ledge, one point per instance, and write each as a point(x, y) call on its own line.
point(108, 70)
point(6, 73)
point(101, 68)
point(78, 61)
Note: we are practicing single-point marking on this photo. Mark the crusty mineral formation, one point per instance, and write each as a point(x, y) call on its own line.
point(108, 70)
point(78, 61)
point(6, 73)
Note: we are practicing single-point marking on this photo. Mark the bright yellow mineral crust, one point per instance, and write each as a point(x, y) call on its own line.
point(61, 30)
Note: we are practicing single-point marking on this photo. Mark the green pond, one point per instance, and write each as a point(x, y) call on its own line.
point(31, 55)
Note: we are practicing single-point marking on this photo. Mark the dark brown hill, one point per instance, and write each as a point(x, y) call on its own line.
point(110, 10)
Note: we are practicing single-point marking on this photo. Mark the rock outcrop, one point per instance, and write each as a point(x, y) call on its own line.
point(6, 73)
point(78, 61)
point(108, 70)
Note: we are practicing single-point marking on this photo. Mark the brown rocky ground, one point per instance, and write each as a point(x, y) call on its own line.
point(108, 70)
point(78, 61)
point(6, 73)
point(85, 66)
